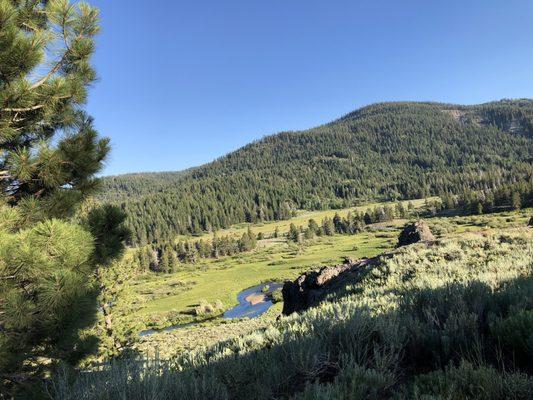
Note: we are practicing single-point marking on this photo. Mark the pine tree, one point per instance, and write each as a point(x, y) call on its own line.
point(337, 223)
point(44, 173)
point(313, 226)
point(328, 227)
point(516, 202)
point(51, 249)
point(294, 234)
point(164, 264)
point(400, 210)
point(46, 276)
point(309, 234)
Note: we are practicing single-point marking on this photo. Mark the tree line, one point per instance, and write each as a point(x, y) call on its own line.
point(167, 257)
point(351, 224)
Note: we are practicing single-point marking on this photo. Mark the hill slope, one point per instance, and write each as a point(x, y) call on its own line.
point(449, 320)
point(384, 151)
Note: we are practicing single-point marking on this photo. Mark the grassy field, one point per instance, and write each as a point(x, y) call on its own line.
point(300, 219)
point(274, 259)
point(222, 279)
point(213, 280)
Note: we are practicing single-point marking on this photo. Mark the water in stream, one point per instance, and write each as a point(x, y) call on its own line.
point(245, 308)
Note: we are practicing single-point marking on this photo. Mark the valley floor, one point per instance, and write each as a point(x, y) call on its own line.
point(450, 319)
point(167, 299)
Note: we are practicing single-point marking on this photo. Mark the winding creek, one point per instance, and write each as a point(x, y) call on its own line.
point(253, 302)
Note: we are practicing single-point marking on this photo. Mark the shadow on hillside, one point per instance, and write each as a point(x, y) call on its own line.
point(430, 330)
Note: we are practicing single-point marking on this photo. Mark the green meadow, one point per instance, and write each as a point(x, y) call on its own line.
point(274, 260)
point(169, 298)
point(301, 219)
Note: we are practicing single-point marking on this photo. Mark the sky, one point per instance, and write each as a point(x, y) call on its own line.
point(184, 82)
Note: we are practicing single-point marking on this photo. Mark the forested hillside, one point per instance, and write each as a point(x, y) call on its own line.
point(382, 152)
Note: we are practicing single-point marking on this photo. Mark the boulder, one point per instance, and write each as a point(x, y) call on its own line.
point(413, 233)
point(310, 288)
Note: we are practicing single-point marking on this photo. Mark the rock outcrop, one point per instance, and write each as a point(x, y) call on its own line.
point(313, 286)
point(417, 232)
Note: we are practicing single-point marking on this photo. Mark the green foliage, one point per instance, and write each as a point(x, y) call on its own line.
point(45, 278)
point(294, 234)
point(385, 151)
point(205, 308)
point(508, 196)
point(248, 241)
point(166, 257)
point(470, 382)
point(420, 324)
point(46, 49)
point(515, 333)
point(276, 296)
point(49, 156)
point(106, 224)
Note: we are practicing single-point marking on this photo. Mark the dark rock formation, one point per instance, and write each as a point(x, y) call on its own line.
point(310, 288)
point(417, 232)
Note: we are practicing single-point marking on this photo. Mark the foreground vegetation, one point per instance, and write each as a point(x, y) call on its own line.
point(159, 300)
point(53, 240)
point(447, 320)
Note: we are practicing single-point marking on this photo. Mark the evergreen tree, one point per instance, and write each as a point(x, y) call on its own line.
point(516, 202)
point(294, 234)
point(328, 227)
point(313, 226)
point(309, 234)
point(337, 223)
point(164, 264)
point(248, 241)
point(42, 172)
point(51, 249)
point(400, 210)
point(368, 217)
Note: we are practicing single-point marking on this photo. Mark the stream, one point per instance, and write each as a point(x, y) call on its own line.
point(253, 302)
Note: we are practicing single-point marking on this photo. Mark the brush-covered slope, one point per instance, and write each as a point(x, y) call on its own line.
point(450, 320)
point(384, 151)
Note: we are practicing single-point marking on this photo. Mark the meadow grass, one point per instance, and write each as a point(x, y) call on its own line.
point(301, 219)
point(212, 280)
point(222, 279)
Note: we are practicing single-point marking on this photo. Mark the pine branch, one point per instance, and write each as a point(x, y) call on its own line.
point(33, 108)
point(25, 109)
point(56, 68)
point(52, 72)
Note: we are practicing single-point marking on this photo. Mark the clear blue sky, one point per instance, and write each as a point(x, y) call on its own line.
point(184, 82)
